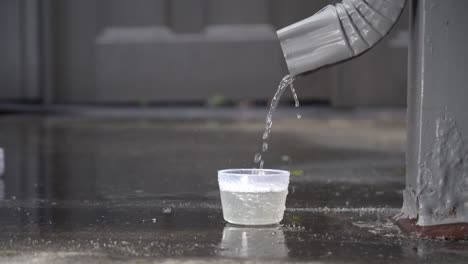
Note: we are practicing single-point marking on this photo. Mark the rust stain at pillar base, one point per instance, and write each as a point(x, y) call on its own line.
point(442, 232)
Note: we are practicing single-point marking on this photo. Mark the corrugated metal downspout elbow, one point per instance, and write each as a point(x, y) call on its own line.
point(338, 33)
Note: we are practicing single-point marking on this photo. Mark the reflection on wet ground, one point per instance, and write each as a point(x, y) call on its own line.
point(134, 190)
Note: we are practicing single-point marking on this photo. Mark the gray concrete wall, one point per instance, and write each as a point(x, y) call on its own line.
point(19, 50)
point(172, 52)
point(143, 51)
point(10, 68)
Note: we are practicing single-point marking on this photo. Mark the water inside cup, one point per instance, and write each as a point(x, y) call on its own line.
point(253, 196)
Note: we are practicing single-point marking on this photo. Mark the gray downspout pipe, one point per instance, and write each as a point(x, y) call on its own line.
point(338, 33)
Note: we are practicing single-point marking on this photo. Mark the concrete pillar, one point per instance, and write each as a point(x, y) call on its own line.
point(436, 196)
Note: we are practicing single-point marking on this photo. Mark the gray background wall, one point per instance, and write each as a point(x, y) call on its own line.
point(145, 51)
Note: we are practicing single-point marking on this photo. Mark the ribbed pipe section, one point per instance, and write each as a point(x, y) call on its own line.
point(366, 22)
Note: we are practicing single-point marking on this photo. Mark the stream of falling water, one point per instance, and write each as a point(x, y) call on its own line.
point(285, 83)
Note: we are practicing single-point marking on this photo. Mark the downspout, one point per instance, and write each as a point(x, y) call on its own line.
point(338, 33)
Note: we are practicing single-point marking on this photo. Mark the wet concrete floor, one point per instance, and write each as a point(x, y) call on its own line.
point(143, 189)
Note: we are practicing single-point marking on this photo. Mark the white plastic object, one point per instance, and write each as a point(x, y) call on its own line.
point(253, 196)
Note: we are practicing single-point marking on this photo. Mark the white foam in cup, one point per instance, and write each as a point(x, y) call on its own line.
point(253, 196)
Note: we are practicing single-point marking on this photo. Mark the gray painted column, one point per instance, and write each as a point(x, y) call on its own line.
point(437, 171)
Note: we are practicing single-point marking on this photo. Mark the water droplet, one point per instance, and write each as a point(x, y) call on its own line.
point(266, 135)
point(264, 147)
point(299, 116)
point(258, 158)
point(261, 164)
point(167, 210)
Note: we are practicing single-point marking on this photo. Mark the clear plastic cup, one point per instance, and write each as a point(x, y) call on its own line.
point(253, 196)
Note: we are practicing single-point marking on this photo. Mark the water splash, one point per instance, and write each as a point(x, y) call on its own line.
point(286, 82)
